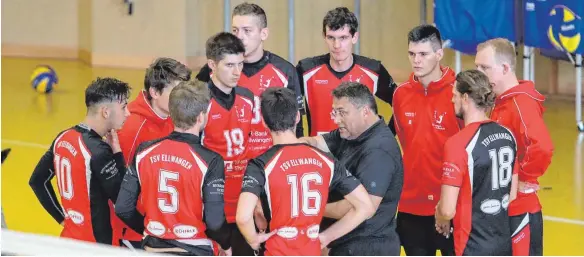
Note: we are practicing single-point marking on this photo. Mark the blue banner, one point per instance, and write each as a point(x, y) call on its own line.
point(554, 25)
point(466, 23)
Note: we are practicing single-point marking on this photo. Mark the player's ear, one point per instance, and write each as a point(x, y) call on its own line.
point(506, 68)
point(212, 64)
point(264, 33)
point(153, 93)
point(440, 53)
point(202, 119)
point(355, 37)
point(298, 118)
point(105, 111)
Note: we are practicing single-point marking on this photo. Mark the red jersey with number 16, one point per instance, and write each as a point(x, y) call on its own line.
point(229, 120)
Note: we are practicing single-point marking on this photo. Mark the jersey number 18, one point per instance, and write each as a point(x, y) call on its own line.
point(501, 166)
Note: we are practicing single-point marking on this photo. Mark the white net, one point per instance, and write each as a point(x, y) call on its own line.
point(19, 243)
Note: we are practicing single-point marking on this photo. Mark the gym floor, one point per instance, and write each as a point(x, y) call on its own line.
point(30, 121)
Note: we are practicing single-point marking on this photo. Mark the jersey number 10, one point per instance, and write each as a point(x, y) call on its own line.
point(501, 166)
point(63, 167)
point(307, 194)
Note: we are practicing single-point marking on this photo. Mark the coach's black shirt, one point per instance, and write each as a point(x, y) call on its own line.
point(375, 159)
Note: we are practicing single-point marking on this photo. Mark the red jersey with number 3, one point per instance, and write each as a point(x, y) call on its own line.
point(229, 120)
point(293, 182)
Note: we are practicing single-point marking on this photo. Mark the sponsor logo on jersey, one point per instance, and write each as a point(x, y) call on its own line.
point(156, 228)
point(312, 231)
point(438, 118)
point(75, 216)
point(185, 231)
point(491, 206)
point(288, 232)
point(321, 81)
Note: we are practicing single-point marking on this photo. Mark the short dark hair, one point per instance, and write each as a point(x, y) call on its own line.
point(221, 44)
point(358, 94)
point(476, 85)
point(187, 101)
point(426, 33)
point(251, 9)
point(279, 108)
point(108, 90)
point(337, 18)
point(163, 72)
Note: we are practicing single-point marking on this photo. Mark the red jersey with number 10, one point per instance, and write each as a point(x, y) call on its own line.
point(229, 120)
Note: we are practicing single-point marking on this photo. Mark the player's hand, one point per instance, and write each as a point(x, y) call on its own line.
point(443, 227)
point(227, 252)
point(527, 187)
point(112, 139)
point(262, 237)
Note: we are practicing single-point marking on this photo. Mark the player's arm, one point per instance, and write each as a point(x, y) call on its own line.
point(251, 189)
point(213, 212)
point(127, 201)
point(294, 85)
point(454, 169)
point(531, 128)
point(385, 86)
point(204, 74)
point(40, 182)
point(375, 171)
point(357, 197)
point(514, 181)
point(328, 142)
point(317, 141)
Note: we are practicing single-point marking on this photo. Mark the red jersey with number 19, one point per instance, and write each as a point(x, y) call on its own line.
point(229, 120)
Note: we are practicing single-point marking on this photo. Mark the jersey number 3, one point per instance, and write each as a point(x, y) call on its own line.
point(307, 194)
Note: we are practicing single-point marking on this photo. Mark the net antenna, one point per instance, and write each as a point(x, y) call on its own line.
point(130, 5)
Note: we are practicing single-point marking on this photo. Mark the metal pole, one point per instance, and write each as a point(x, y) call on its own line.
point(227, 15)
point(526, 57)
point(291, 31)
point(357, 4)
point(457, 63)
point(532, 65)
point(423, 14)
point(579, 92)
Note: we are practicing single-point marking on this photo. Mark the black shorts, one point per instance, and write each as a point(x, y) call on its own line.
point(527, 234)
point(368, 247)
point(190, 250)
point(419, 237)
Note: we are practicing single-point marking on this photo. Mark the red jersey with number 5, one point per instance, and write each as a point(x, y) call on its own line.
point(229, 120)
point(293, 182)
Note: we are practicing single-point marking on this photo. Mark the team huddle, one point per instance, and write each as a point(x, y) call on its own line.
point(219, 164)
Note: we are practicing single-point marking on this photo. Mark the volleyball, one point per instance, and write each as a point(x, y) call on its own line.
point(43, 79)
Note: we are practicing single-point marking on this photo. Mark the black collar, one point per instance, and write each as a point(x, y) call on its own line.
point(377, 126)
point(184, 137)
point(225, 100)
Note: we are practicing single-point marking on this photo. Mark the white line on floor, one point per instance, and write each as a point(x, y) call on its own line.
point(564, 220)
point(22, 143)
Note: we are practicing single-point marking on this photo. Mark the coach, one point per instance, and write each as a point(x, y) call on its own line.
point(369, 150)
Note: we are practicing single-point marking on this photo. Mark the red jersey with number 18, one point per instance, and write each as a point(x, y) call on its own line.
point(229, 120)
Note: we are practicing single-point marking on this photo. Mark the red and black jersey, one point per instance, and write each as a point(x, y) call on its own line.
point(318, 79)
point(181, 186)
point(270, 71)
point(293, 183)
point(229, 119)
point(89, 175)
point(481, 160)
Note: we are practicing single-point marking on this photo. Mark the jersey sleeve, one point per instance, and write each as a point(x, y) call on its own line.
point(127, 200)
point(376, 170)
point(343, 181)
point(109, 169)
point(214, 214)
point(333, 141)
point(40, 182)
point(385, 86)
point(454, 166)
point(254, 178)
point(204, 74)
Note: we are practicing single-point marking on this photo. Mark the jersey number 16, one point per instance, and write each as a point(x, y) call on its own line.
point(307, 194)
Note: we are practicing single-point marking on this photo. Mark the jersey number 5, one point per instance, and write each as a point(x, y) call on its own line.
point(63, 167)
point(307, 194)
point(501, 166)
point(164, 187)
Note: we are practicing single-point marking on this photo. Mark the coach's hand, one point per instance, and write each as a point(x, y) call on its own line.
point(112, 139)
point(324, 241)
point(260, 238)
point(227, 252)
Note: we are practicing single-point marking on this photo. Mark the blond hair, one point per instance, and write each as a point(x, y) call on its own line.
point(503, 48)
